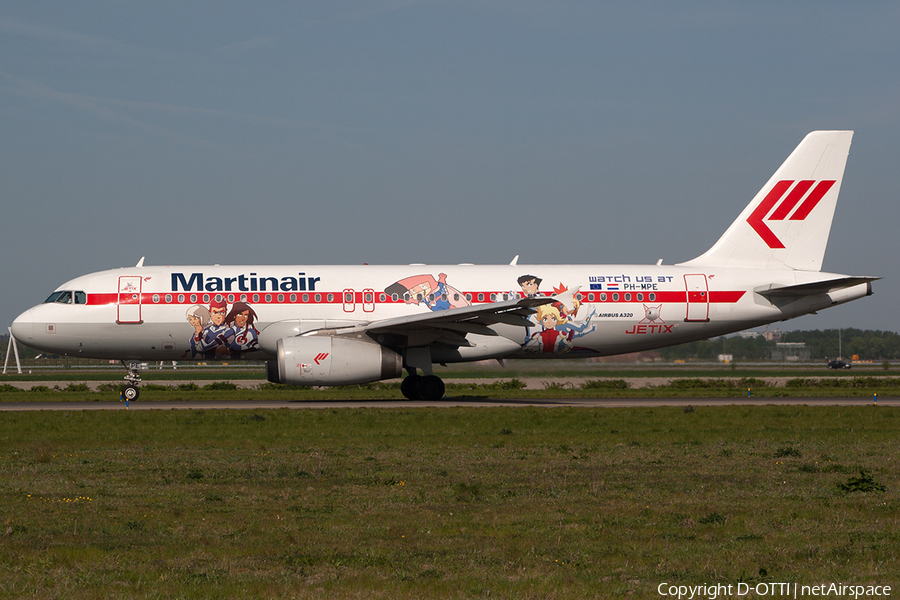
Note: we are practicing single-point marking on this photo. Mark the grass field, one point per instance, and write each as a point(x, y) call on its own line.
point(445, 503)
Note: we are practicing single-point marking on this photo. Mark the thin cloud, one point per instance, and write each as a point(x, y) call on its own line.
point(263, 41)
point(100, 107)
point(47, 33)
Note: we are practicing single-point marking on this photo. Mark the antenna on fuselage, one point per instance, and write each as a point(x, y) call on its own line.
point(514, 261)
point(140, 264)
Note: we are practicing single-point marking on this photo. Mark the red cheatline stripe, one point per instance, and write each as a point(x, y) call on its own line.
point(755, 220)
point(792, 199)
point(660, 296)
point(812, 200)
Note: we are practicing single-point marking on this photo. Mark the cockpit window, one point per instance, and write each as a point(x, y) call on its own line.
point(67, 297)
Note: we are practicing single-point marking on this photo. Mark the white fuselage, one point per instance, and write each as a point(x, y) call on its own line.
point(142, 313)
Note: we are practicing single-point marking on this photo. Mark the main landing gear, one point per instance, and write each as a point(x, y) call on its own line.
point(422, 387)
point(130, 391)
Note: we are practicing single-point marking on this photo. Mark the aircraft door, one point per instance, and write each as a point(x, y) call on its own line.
point(349, 300)
point(129, 300)
point(368, 300)
point(697, 298)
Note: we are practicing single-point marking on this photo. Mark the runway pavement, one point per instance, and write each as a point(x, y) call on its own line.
point(443, 403)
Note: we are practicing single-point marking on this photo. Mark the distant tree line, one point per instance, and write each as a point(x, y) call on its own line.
point(867, 344)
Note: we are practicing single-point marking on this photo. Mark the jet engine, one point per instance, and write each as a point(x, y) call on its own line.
point(329, 360)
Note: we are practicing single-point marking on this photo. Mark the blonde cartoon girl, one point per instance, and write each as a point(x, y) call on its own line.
point(550, 340)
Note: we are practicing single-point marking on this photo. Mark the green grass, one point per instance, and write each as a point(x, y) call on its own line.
point(453, 502)
point(857, 386)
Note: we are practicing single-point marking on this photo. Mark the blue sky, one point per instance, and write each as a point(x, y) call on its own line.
point(433, 132)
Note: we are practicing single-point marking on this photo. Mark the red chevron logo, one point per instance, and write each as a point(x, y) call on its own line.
point(320, 357)
point(783, 208)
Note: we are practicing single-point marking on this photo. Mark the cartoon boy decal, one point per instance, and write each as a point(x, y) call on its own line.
point(198, 317)
point(211, 340)
point(529, 285)
point(425, 289)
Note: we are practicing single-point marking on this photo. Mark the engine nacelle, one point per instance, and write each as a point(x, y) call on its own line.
point(327, 360)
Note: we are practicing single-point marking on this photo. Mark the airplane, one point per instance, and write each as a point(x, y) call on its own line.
point(340, 325)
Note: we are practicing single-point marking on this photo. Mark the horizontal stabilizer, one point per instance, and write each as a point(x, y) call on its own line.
point(811, 289)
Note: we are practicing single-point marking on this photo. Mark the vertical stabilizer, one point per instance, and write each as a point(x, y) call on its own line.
point(788, 222)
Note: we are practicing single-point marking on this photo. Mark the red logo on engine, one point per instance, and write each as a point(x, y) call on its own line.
point(320, 357)
point(784, 208)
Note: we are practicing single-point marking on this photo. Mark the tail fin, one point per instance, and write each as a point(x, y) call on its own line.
point(788, 222)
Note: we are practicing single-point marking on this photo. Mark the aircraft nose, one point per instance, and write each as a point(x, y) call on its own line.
point(23, 327)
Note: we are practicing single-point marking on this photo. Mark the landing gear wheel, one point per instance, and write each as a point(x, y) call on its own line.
point(430, 388)
point(130, 392)
point(409, 387)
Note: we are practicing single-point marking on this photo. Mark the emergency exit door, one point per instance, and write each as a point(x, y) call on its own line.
point(697, 298)
point(129, 300)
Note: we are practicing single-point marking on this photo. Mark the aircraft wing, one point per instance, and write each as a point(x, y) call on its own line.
point(811, 289)
point(447, 326)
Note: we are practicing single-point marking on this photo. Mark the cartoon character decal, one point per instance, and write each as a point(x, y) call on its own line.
point(530, 285)
point(243, 336)
point(652, 314)
point(219, 333)
point(557, 321)
point(425, 289)
point(550, 339)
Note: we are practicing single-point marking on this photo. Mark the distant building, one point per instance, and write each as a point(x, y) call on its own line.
point(790, 352)
point(772, 336)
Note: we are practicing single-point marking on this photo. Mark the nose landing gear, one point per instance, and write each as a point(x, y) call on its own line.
point(130, 391)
